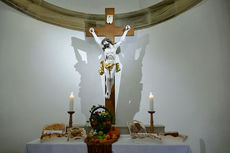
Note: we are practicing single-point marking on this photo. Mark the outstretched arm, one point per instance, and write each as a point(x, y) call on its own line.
point(98, 41)
point(127, 28)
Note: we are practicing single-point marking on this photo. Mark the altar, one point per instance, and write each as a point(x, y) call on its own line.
point(124, 145)
point(103, 135)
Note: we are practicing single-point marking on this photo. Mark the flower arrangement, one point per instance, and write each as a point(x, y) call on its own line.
point(100, 119)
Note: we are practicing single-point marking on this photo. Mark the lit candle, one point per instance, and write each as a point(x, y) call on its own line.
point(71, 99)
point(151, 98)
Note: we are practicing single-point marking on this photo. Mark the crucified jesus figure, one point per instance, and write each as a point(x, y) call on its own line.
point(110, 64)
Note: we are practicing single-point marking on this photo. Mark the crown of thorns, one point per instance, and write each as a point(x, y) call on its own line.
point(108, 40)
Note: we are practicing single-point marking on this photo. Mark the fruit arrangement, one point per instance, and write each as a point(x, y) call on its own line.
point(101, 122)
point(100, 119)
point(101, 137)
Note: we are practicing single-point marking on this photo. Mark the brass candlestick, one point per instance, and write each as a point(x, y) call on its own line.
point(151, 122)
point(71, 118)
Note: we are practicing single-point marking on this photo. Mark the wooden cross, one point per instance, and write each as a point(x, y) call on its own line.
point(110, 31)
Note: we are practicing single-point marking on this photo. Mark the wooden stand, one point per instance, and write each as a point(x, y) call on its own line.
point(151, 122)
point(71, 118)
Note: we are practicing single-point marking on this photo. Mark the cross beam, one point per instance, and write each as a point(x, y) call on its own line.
point(109, 30)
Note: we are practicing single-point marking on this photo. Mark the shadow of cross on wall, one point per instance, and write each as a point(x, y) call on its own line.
point(90, 87)
point(129, 97)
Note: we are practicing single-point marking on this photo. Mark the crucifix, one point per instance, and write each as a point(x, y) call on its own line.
point(109, 66)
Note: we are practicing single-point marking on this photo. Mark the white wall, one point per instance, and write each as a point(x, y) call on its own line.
point(184, 61)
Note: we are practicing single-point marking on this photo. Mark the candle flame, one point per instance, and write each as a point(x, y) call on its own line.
point(151, 95)
point(71, 94)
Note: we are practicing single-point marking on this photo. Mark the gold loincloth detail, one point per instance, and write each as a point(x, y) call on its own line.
point(101, 71)
point(108, 66)
point(117, 67)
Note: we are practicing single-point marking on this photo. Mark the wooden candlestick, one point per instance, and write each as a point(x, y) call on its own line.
point(71, 118)
point(151, 122)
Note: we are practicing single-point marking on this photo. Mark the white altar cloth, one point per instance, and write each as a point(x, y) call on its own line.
point(124, 145)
